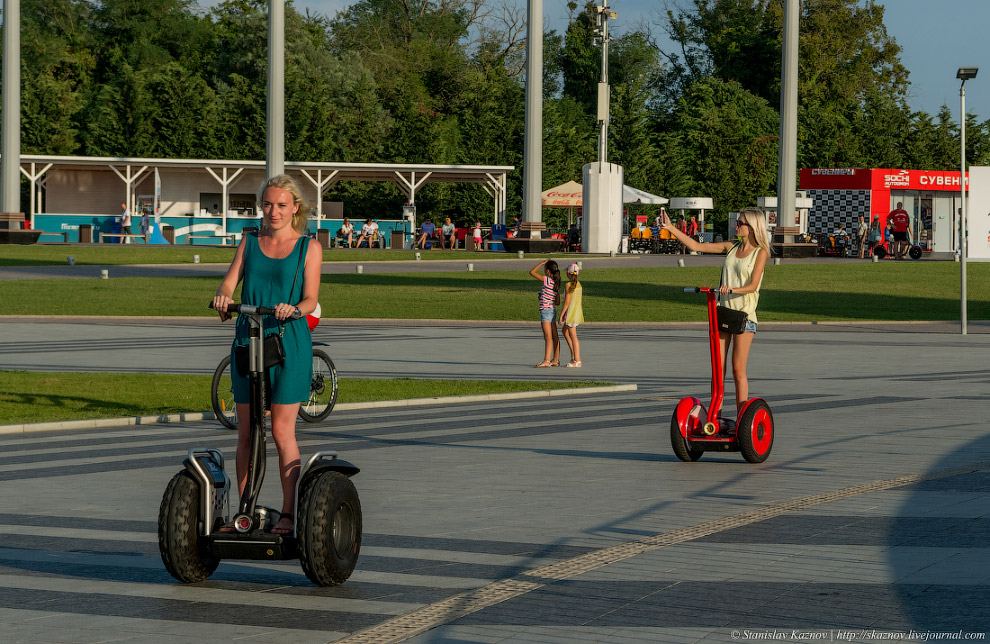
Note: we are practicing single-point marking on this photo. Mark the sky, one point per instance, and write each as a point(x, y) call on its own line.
point(936, 39)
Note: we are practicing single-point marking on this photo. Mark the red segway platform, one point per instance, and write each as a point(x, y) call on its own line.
point(695, 430)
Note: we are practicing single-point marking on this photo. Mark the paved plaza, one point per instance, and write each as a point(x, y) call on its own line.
point(554, 520)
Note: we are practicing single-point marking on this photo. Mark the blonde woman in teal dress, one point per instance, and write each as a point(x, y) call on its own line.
point(742, 276)
point(280, 268)
point(572, 314)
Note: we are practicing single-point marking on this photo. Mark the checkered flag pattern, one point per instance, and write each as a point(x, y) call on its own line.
point(832, 207)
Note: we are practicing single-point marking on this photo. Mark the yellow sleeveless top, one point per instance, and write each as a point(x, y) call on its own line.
point(575, 312)
point(737, 272)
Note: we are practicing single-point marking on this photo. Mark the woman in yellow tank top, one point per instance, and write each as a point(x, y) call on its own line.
point(742, 275)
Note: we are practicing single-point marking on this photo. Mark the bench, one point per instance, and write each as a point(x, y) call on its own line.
point(140, 236)
point(63, 233)
point(223, 238)
point(786, 243)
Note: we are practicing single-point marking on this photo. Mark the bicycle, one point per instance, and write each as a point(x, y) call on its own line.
point(322, 391)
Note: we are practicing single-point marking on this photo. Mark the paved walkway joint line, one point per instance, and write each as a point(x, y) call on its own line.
point(404, 627)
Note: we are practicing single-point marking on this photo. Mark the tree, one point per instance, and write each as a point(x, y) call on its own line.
point(729, 137)
point(850, 73)
point(56, 70)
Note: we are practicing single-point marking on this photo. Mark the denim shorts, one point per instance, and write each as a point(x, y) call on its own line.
point(548, 314)
point(750, 327)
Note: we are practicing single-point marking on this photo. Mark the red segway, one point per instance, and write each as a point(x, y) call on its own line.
point(694, 431)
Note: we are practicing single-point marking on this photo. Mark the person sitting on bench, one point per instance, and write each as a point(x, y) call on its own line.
point(368, 231)
point(346, 232)
point(427, 230)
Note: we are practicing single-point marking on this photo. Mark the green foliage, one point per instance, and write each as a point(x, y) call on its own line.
point(730, 142)
point(35, 397)
point(441, 81)
point(924, 290)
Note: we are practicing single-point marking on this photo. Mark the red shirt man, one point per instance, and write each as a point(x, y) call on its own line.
point(900, 221)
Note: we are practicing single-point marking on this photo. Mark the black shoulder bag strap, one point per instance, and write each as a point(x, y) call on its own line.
point(292, 289)
point(721, 276)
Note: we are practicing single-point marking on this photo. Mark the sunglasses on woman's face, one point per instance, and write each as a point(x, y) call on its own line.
point(741, 222)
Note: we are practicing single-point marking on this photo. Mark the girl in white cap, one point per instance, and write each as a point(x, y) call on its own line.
point(572, 314)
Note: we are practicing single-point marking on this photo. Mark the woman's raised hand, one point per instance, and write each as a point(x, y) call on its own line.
point(665, 219)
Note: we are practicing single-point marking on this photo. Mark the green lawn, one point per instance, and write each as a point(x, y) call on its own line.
point(122, 254)
point(27, 397)
point(791, 292)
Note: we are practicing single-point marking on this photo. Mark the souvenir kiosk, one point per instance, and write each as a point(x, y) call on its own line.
point(931, 198)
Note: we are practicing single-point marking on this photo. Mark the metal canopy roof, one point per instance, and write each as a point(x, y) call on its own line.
point(408, 177)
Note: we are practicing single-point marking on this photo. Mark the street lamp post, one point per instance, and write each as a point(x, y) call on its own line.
point(964, 74)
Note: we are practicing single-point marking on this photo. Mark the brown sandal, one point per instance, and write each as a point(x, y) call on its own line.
point(544, 365)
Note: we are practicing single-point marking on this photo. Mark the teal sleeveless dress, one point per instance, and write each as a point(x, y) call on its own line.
point(267, 282)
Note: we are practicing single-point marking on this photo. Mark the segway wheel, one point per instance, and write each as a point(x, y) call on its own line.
point(880, 252)
point(178, 522)
point(915, 252)
point(678, 442)
point(329, 528)
point(754, 432)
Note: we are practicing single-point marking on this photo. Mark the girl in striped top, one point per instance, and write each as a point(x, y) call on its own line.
point(549, 296)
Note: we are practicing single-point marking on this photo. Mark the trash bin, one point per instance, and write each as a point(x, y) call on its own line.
point(85, 234)
point(398, 238)
point(168, 232)
point(323, 236)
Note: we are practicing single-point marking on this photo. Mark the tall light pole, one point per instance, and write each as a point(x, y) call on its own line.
point(787, 158)
point(275, 143)
point(10, 145)
point(602, 15)
point(533, 134)
point(964, 74)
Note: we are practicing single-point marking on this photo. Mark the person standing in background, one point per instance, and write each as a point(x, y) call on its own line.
point(125, 222)
point(861, 233)
point(900, 221)
point(572, 314)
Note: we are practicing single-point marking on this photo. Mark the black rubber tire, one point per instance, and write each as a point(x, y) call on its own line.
point(755, 448)
point(222, 395)
point(680, 445)
point(178, 520)
point(322, 391)
point(328, 527)
point(879, 251)
point(915, 252)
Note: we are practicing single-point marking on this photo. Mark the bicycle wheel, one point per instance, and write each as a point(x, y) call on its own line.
point(222, 395)
point(322, 390)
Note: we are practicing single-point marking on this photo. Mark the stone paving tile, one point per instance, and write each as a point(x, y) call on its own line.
point(460, 495)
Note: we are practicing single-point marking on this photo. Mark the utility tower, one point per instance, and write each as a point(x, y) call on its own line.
point(601, 230)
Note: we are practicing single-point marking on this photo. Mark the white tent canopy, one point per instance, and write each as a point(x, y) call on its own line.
point(635, 195)
point(570, 195)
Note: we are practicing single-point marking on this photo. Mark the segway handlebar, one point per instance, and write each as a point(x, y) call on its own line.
point(250, 309)
point(701, 289)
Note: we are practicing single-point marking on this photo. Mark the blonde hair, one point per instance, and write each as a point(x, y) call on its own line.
point(285, 182)
point(757, 221)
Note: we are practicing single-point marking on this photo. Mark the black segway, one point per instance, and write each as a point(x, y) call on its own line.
point(327, 534)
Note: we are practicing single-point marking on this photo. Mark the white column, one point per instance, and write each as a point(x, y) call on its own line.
point(275, 143)
point(533, 138)
point(787, 168)
point(10, 104)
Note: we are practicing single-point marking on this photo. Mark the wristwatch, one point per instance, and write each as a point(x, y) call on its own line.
point(298, 312)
